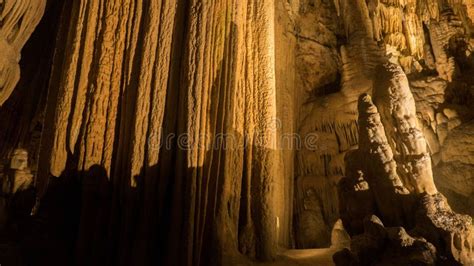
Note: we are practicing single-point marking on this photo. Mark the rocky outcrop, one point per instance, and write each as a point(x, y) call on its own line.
point(450, 232)
point(393, 159)
point(380, 245)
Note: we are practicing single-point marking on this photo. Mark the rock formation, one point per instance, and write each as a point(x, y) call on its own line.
point(193, 132)
point(186, 141)
point(19, 177)
point(430, 40)
point(391, 172)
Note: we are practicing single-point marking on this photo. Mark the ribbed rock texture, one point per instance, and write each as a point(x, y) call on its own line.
point(176, 151)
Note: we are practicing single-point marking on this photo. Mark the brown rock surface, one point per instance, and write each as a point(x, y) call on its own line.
point(454, 174)
point(398, 148)
point(425, 38)
point(125, 97)
point(196, 132)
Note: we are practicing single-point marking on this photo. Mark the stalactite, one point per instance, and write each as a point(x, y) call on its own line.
point(337, 4)
point(427, 10)
point(413, 30)
point(355, 13)
point(441, 32)
point(395, 3)
point(334, 139)
point(396, 40)
point(461, 9)
point(390, 19)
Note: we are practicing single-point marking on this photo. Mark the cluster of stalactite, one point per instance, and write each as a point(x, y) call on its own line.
point(400, 25)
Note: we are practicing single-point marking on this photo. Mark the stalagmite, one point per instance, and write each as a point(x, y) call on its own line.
point(397, 107)
point(391, 144)
point(441, 32)
point(372, 137)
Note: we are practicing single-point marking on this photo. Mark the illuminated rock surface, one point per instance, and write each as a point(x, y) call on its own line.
point(392, 146)
point(192, 132)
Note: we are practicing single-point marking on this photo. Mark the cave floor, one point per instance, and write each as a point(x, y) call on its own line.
point(314, 257)
point(306, 257)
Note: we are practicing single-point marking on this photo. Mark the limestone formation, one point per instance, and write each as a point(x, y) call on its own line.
point(17, 177)
point(339, 236)
point(427, 39)
point(126, 97)
point(454, 173)
point(397, 108)
point(392, 157)
point(380, 245)
point(225, 132)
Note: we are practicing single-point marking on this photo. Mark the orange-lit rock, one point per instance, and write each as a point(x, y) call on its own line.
point(192, 132)
point(391, 146)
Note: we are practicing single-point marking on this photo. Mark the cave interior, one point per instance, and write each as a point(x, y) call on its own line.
point(236, 132)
